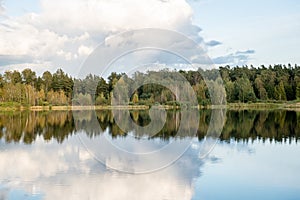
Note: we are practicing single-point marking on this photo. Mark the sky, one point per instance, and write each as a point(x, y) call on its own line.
point(46, 34)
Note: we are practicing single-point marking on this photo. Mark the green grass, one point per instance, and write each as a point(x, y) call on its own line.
point(264, 105)
point(13, 106)
point(9, 104)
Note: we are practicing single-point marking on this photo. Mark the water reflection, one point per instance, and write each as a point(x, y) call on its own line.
point(24, 127)
point(41, 157)
point(67, 171)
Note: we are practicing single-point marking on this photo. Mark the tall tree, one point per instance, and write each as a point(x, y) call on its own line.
point(280, 92)
point(260, 89)
point(29, 77)
point(244, 90)
point(47, 81)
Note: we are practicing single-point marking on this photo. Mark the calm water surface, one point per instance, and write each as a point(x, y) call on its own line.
point(44, 155)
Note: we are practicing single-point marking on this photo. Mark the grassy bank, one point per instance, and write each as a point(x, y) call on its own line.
point(12, 106)
point(18, 107)
point(264, 106)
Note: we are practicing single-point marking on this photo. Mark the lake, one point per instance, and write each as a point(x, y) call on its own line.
point(211, 154)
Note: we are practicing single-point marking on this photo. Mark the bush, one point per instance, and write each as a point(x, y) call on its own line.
point(82, 100)
point(101, 101)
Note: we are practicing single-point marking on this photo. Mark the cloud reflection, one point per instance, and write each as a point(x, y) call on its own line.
point(67, 171)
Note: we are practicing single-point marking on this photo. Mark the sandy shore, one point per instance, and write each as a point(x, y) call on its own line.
point(230, 106)
point(40, 108)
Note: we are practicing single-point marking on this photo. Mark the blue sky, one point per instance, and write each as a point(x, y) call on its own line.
point(269, 27)
point(236, 32)
point(18, 8)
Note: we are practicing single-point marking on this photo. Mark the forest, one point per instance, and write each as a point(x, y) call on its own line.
point(275, 83)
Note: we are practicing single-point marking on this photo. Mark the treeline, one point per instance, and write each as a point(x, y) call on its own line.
point(242, 84)
point(278, 82)
point(26, 88)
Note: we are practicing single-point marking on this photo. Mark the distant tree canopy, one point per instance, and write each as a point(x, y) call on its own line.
point(242, 84)
point(278, 82)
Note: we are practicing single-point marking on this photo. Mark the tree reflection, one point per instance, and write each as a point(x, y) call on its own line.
point(26, 126)
point(278, 125)
point(246, 125)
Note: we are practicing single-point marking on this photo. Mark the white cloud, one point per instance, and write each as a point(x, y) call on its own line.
point(84, 50)
point(19, 38)
point(39, 66)
point(113, 16)
point(64, 32)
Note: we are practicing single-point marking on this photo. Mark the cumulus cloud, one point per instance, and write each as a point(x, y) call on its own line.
point(22, 39)
point(113, 16)
point(65, 32)
point(144, 47)
point(84, 50)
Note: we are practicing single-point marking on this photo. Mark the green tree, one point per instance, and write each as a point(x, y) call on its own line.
point(29, 77)
point(62, 82)
point(217, 91)
point(280, 92)
point(112, 80)
point(101, 100)
point(268, 78)
point(121, 92)
point(244, 90)
point(47, 81)
point(12, 77)
point(230, 92)
point(261, 91)
point(200, 90)
point(102, 88)
point(297, 87)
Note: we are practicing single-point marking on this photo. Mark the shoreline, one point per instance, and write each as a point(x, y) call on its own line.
point(293, 106)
